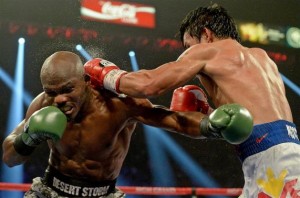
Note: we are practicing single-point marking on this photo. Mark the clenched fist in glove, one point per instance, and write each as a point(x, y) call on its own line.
point(232, 122)
point(46, 123)
point(190, 98)
point(104, 74)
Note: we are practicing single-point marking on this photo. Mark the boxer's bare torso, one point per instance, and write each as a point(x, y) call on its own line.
point(95, 146)
point(246, 76)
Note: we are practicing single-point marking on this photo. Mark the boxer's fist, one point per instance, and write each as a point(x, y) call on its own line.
point(189, 98)
point(232, 122)
point(103, 74)
point(46, 123)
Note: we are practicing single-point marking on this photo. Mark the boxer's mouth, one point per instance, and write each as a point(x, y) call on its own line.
point(67, 110)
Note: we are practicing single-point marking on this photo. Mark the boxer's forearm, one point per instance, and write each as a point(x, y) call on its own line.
point(10, 156)
point(152, 83)
point(139, 84)
point(142, 83)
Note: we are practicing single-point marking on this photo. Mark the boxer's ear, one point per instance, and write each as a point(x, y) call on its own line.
point(207, 35)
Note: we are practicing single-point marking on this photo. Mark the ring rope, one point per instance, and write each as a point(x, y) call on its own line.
point(139, 190)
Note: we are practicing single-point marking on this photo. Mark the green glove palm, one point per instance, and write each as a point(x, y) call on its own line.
point(231, 121)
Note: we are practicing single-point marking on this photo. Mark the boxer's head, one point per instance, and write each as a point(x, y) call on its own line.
point(62, 76)
point(213, 18)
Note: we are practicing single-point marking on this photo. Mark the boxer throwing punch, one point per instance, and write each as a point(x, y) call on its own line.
point(230, 73)
point(88, 130)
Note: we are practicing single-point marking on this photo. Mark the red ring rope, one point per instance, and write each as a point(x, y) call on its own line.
point(139, 190)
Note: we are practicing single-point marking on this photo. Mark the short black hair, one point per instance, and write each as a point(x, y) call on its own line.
point(213, 17)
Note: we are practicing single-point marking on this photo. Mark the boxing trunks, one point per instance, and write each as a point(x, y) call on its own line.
point(271, 161)
point(55, 184)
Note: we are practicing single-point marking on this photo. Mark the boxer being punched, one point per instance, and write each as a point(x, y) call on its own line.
point(88, 130)
point(230, 73)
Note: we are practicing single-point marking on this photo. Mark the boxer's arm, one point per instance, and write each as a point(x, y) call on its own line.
point(150, 83)
point(185, 123)
point(10, 156)
point(231, 122)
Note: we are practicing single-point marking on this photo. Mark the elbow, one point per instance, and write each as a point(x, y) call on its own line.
point(11, 161)
point(10, 157)
point(6, 160)
point(5, 156)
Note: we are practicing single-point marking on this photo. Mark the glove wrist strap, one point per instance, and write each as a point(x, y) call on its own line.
point(209, 131)
point(21, 147)
point(112, 80)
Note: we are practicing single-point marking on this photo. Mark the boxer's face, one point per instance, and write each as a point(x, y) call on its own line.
point(67, 95)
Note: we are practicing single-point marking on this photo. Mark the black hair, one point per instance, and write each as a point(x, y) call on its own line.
point(214, 18)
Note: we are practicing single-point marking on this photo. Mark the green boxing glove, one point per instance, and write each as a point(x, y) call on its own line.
point(46, 123)
point(232, 122)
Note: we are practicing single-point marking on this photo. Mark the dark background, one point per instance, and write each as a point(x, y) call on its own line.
point(153, 47)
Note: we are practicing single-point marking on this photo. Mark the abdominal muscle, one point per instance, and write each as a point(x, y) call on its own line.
point(88, 159)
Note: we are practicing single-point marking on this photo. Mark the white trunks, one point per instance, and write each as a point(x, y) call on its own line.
point(271, 161)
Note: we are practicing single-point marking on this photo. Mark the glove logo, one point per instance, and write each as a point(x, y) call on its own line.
point(260, 139)
point(105, 63)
